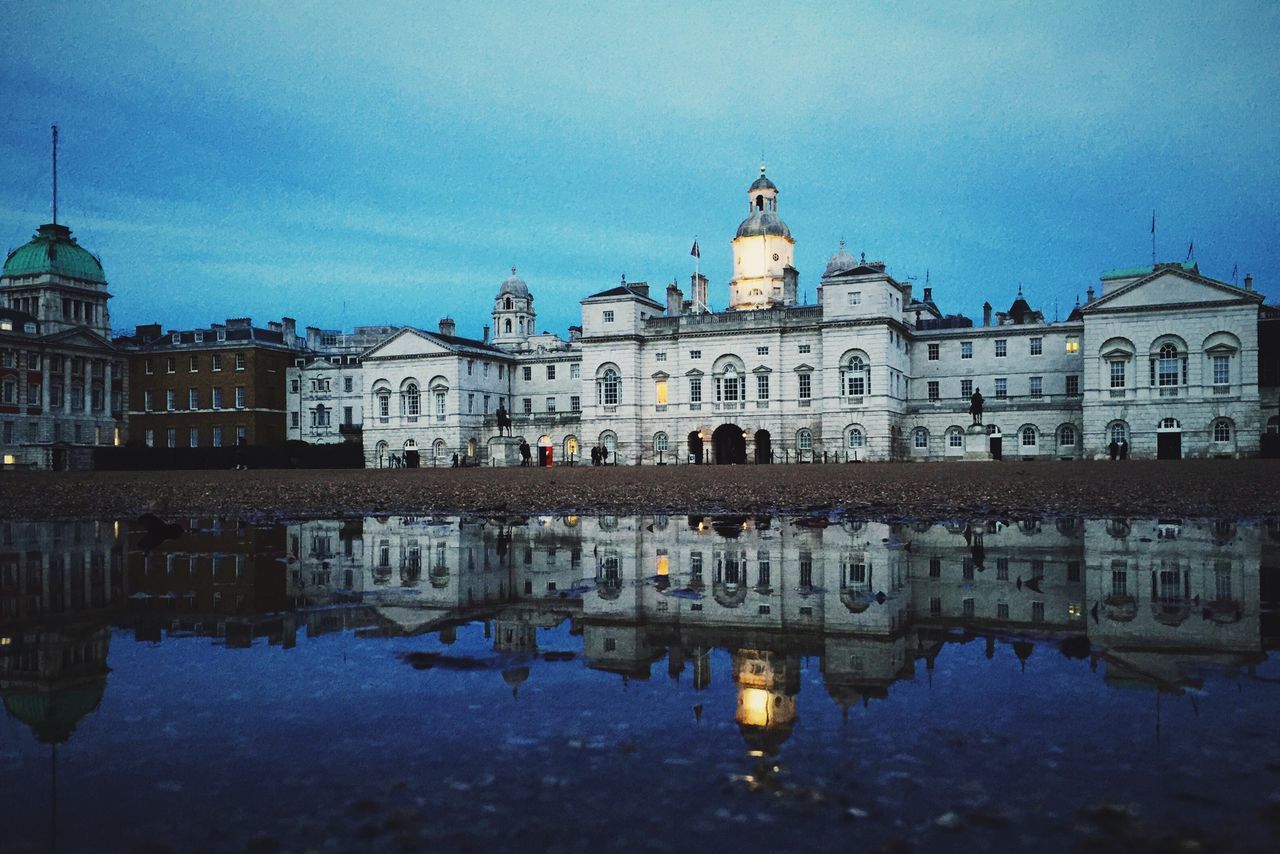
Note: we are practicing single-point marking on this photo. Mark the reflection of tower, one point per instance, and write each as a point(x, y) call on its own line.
point(767, 686)
point(701, 668)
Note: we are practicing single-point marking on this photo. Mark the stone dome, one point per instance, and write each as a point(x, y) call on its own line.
point(53, 250)
point(763, 222)
point(514, 287)
point(763, 183)
point(840, 262)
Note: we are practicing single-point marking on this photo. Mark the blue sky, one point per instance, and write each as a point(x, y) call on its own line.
point(388, 163)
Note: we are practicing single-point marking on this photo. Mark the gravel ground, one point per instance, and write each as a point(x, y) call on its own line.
point(1213, 488)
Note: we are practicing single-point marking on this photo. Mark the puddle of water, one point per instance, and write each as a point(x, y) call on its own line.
point(650, 681)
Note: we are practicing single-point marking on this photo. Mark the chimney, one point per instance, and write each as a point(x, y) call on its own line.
point(486, 334)
point(1248, 281)
point(1088, 295)
point(986, 314)
point(698, 293)
point(641, 288)
point(928, 294)
point(289, 329)
point(790, 285)
point(674, 300)
point(447, 326)
point(575, 333)
point(149, 332)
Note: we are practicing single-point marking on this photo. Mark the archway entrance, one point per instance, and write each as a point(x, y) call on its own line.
point(1169, 440)
point(997, 442)
point(695, 447)
point(729, 445)
point(764, 447)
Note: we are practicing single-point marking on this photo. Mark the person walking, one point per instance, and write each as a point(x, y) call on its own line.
point(1113, 449)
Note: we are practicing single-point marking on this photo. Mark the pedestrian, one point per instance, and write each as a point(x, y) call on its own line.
point(595, 455)
point(455, 459)
point(1113, 449)
point(1124, 449)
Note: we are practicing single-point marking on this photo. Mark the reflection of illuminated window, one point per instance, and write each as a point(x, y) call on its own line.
point(663, 564)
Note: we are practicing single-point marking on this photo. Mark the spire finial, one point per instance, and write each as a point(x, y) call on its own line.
point(842, 243)
point(55, 174)
point(761, 164)
point(513, 269)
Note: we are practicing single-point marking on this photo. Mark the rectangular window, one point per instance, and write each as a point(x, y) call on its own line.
point(193, 437)
point(471, 403)
point(1002, 388)
point(193, 398)
point(806, 385)
point(660, 392)
point(575, 403)
point(695, 389)
point(216, 362)
point(551, 372)
point(1037, 346)
point(1002, 348)
point(293, 386)
point(170, 400)
point(1117, 374)
point(485, 368)
point(933, 389)
point(147, 367)
point(171, 437)
point(966, 388)
point(551, 404)
point(170, 365)
point(148, 400)
point(608, 317)
point(240, 361)
point(471, 365)
point(528, 373)
point(217, 437)
point(1073, 344)
point(1073, 384)
point(486, 404)
point(1037, 386)
point(1221, 370)
point(855, 297)
point(762, 351)
point(762, 386)
point(193, 364)
point(575, 371)
point(217, 398)
point(151, 438)
point(966, 349)
point(348, 385)
point(661, 357)
point(293, 419)
point(527, 403)
point(240, 397)
point(695, 354)
point(346, 415)
point(933, 352)
point(242, 434)
point(439, 404)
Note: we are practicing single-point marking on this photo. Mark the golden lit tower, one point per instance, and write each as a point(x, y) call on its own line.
point(763, 275)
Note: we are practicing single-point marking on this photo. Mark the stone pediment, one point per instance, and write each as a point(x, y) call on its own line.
point(802, 368)
point(408, 342)
point(1170, 287)
point(79, 337)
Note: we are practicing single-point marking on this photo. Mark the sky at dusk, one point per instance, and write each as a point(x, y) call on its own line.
point(370, 163)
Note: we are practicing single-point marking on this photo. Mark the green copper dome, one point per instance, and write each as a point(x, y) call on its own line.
point(54, 250)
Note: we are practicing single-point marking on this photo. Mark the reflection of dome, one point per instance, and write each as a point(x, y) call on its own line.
point(53, 715)
point(766, 739)
point(1121, 609)
point(54, 250)
point(855, 601)
point(840, 262)
point(729, 598)
point(763, 222)
point(515, 677)
point(1171, 613)
point(514, 287)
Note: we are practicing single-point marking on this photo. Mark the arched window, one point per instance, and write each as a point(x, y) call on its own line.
point(955, 438)
point(507, 305)
point(609, 441)
point(439, 449)
point(856, 437)
point(608, 388)
point(920, 438)
point(855, 377)
point(1028, 436)
point(1118, 431)
point(804, 440)
point(571, 447)
point(1170, 424)
point(410, 400)
point(506, 326)
point(1222, 430)
point(1066, 436)
point(1169, 366)
point(729, 386)
point(1273, 424)
point(380, 451)
point(320, 416)
point(660, 442)
point(759, 203)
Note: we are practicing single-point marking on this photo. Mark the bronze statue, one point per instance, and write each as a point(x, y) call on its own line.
point(504, 420)
point(975, 406)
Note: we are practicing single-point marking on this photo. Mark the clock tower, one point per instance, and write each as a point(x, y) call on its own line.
point(763, 275)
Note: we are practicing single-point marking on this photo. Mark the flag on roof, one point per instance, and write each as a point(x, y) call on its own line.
point(695, 251)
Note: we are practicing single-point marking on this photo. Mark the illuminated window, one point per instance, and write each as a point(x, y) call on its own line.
point(660, 392)
point(1073, 345)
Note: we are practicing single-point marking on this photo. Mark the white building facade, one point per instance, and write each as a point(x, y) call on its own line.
point(1163, 362)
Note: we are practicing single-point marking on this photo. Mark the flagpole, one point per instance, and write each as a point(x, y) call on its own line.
point(1153, 239)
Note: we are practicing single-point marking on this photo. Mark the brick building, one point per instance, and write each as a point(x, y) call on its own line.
point(219, 386)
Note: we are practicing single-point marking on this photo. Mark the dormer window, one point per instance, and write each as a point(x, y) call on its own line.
point(176, 338)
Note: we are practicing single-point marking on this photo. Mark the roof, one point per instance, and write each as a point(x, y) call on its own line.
point(626, 291)
point(1147, 269)
point(53, 250)
point(763, 222)
point(18, 320)
point(514, 286)
point(840, 262)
